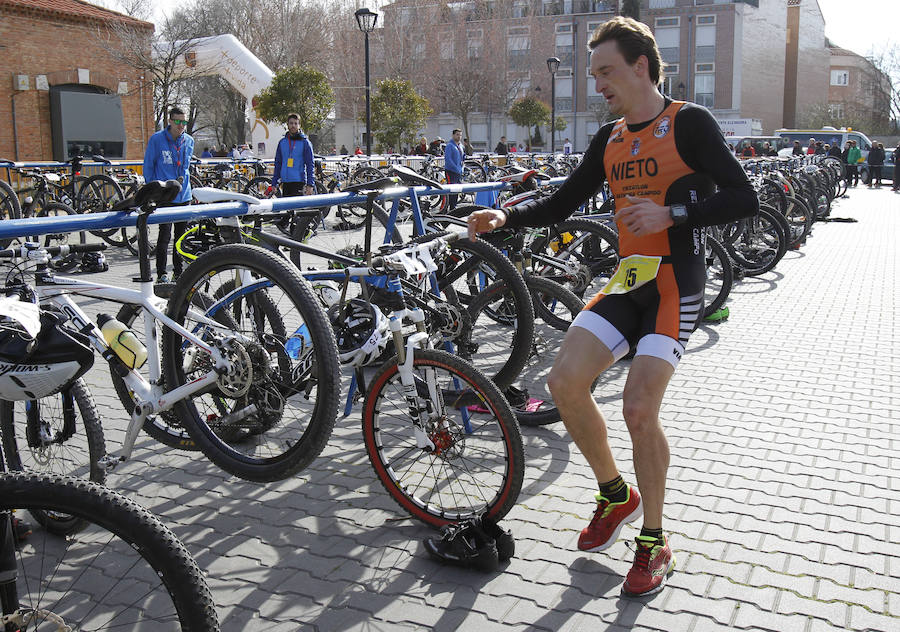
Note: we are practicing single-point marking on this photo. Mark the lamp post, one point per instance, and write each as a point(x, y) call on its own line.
point(366, 20)
point(553, 66)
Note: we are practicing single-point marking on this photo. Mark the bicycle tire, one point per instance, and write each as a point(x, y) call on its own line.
point(166, 427)
point(758, 250)
point(587, 243)
point(719, 269)
point(278, 442)
point(98, 194)
point(549, 330)
point(103, 555)
point(70, 262)
point(257, 186)
point(9, 209)
point(444, 497)
point(464, 272)
point(76, 455)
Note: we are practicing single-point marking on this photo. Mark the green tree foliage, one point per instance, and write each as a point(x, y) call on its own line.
point(632, 9)
point(528, 112)
point(299, 89)
point(398, 112)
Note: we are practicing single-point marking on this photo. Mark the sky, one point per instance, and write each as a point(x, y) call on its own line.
point(862, 26)
point(858, 25)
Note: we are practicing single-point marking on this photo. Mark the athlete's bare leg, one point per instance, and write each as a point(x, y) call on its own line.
point(644, 390)
point(581, 359)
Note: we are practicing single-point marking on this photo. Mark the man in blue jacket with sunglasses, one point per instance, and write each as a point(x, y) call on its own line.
point(294, 162)
point(168, 157)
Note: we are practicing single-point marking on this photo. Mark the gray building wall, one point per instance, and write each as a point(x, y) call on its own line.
point(760, 70)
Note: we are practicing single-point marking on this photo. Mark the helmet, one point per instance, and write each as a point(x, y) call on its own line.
point(94, 262)
point(361, 331)
point(32, 368)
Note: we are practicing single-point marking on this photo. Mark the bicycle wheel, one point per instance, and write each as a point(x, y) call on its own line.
point(464, 271)
point(586, 252)
point(476, 460)
point(98, 194)
point(9, 208)
point(257, 187)
point(555, 308)
point(719, 276)
point(70, 262)
point(124, 571)
point(165, 427)
point(272, 414)
point(58, 434)
point(760, 244)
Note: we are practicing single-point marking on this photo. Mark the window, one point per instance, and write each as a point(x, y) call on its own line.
point(563, 28)
point(565, 50)
point(520, 9)
point(706, 43)
point(519, 46)
point(664, 22)
point(840, 77)
point(836, 110)
point(446, 49)
point(706, 19)
point(671, 70)
point(564, 93)
point(419, 49)
point(705, 68)
point(668, 40)
point(705, 88)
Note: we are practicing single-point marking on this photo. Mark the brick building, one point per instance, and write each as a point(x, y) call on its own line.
point(858, 92)
point(54, 69)
point(744, 59)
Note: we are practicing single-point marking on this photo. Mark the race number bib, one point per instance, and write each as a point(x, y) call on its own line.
point(632, 273)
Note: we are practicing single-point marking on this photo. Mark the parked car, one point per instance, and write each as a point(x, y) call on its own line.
point(887, 171)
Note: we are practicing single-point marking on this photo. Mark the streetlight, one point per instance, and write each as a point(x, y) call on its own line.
point(553, 66)
point(366, 20)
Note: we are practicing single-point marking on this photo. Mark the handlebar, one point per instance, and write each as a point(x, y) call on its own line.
point(27, 252)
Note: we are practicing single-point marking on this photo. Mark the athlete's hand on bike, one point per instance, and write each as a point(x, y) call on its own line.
point(644, 216)
point(309, 190)
point(484, 221)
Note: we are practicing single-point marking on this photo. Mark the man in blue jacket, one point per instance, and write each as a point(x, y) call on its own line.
point(293, 162)
point(453, 161)
point(168, 157)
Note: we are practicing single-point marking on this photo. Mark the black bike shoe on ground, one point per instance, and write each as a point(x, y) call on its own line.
point(465, 544)
point(506, 543)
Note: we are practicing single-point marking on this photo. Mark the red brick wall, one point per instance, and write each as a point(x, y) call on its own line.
point(34, 44)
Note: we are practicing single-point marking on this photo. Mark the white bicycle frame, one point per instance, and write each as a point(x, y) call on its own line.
point(148, 394)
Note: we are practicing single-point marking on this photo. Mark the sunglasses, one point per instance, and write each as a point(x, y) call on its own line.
point(179, 122)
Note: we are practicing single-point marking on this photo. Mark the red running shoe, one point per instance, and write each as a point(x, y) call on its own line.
point(653, 561)
point(608, 519)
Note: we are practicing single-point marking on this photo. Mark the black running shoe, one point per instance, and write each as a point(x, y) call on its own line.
point(465, 544)
point(506, 543)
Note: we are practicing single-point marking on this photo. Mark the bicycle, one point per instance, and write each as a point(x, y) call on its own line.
point(254, 410)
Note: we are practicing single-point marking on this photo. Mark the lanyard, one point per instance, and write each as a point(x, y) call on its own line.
point(176, 149)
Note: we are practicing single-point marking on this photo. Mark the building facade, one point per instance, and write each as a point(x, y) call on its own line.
point(736, 57)
point(60, 82)
point(858, 92)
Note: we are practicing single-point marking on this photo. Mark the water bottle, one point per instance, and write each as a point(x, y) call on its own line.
point(298, 342)
point(122, 341)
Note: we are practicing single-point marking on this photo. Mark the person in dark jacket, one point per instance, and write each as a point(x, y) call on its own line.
point(502, 147)
point(453, 163)
point(875, 162)
point(834, 151)
point(168, 157)
point(798, 149)
point(422, 148)
point(896, 185)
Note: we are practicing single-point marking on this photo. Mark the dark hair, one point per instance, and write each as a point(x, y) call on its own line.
point(633, 39)
point(456, 130)
point(293, 115)
point(175, 110)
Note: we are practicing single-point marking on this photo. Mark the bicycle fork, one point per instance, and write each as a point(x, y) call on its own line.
point(418, 408)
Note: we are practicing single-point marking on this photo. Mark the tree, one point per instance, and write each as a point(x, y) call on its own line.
point(631, 9)
point(299, 89)
point(528, 112)
point(398, 112)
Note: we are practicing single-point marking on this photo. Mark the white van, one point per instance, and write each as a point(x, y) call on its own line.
point(827, 135)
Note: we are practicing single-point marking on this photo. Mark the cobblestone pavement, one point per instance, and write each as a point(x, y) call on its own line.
point(782, 502)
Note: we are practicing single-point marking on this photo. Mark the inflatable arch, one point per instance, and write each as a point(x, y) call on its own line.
point(224, 55)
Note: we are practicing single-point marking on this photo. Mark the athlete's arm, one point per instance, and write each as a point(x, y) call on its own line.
point(584, 182)
point(702, 147)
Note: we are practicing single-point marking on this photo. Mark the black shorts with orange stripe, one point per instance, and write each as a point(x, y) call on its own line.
point(657, 318)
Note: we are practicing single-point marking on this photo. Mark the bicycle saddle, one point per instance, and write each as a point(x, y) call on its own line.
point(154, 192)
point(408, 176)
point(374, 185)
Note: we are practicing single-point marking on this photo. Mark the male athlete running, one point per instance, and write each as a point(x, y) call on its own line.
point(671, 173)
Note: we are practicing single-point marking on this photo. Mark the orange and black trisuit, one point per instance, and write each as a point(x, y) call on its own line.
point(678, 157)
